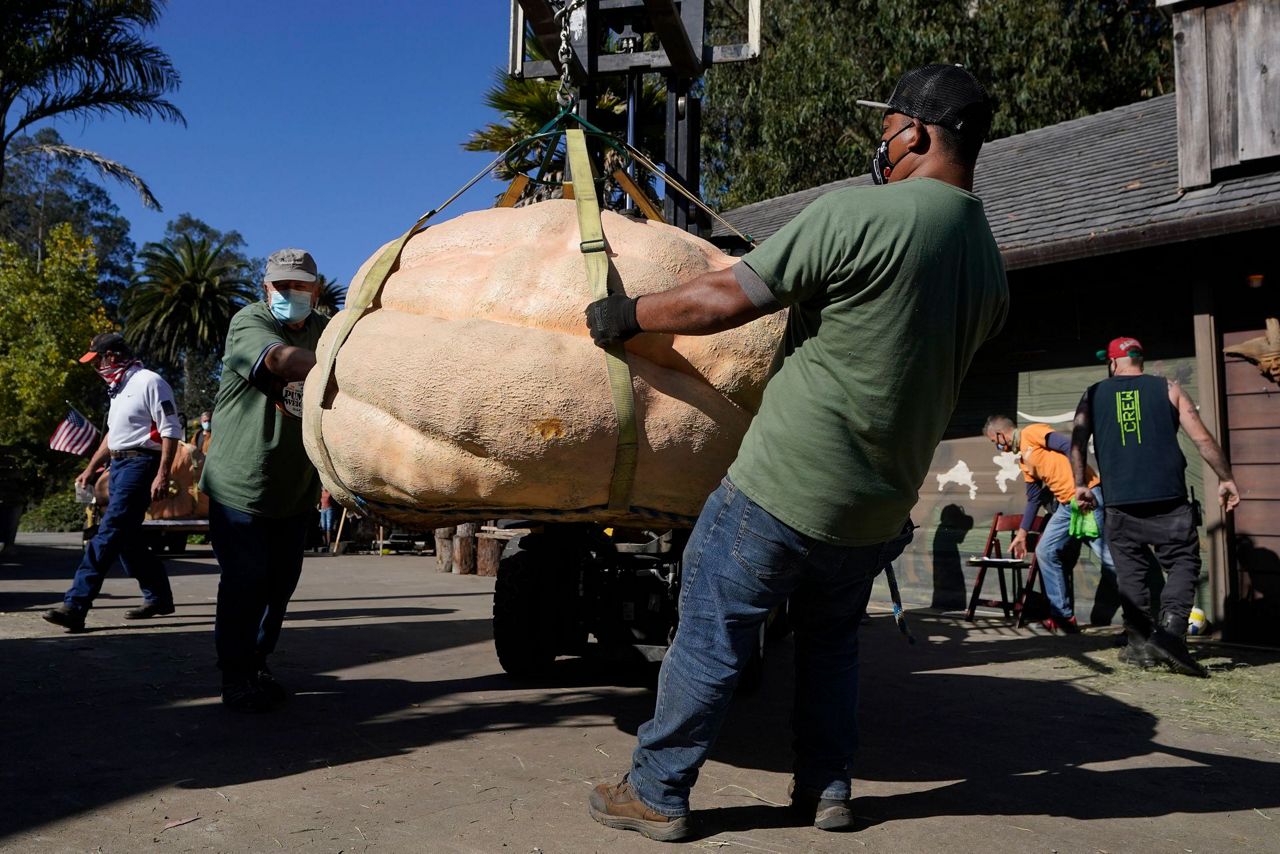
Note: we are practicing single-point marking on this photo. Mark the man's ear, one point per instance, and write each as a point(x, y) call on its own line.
point(917, 137)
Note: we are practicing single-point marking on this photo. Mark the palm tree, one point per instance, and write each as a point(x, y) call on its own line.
point(526, 105)
point(332, 296)
point(83, 59)
point(181, 302)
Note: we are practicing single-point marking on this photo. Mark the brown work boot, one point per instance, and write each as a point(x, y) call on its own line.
point(619, 807)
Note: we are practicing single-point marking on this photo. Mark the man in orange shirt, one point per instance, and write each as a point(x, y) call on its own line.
point(1045, 459)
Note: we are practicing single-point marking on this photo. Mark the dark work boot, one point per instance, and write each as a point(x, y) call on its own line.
point(1137, 651)
point(67, 617)
point(244, 694)
point(825, 813)
point(1167, 645)
point(149, 609)
point(267, 683)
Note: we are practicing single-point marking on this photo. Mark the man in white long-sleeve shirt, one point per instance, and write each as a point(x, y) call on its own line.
point(143, 431)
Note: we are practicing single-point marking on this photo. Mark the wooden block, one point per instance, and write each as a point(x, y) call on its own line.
point(444, 549)
point(464, 548)
point(492, 534)
point(489, 555)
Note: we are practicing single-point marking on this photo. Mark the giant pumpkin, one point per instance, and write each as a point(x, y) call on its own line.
point(471, 389)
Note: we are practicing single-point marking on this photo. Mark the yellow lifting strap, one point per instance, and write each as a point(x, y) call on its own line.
point(355, 308)
point(597, 260)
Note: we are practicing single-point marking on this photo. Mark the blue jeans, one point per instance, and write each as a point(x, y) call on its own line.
point(740, 563)
point(260, 560)
point(1054, 539)
point(120, 536)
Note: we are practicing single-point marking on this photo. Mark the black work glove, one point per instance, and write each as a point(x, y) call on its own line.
point(612, 320)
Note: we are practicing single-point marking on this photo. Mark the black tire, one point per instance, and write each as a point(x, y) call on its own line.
point(525, 628)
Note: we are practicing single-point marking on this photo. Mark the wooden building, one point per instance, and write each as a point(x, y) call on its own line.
point(1101, 237)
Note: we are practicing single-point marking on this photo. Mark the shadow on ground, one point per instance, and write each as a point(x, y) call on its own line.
point(991, 745)
point(92, 719)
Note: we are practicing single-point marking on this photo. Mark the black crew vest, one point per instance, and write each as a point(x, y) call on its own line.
point(1135, 437)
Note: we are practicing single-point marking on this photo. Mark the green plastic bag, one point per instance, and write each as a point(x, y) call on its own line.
point(1084, 526)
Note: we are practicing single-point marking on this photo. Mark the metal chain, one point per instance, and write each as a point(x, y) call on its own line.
point(566, 94)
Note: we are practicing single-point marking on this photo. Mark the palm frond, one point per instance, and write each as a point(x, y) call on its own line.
point(106, 167)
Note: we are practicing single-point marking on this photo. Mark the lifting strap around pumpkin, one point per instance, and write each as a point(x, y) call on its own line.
point(596, 257)
point(355, 307)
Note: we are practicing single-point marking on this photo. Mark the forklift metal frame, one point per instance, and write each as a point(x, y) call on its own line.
point(679, 26)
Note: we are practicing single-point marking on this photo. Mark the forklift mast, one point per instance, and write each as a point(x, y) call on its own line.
point(608, 39)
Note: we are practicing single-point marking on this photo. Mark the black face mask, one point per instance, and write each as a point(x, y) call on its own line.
point(881, 166)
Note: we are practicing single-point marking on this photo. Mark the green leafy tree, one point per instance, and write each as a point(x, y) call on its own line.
point(788, 120)
point(180, 305)
point(47, 317)
point(42, 190)
point(81, 59)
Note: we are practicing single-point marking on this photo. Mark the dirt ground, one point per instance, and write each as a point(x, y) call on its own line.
point(405, 735)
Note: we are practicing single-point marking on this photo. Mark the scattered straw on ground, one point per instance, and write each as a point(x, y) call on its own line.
point(1241, 697)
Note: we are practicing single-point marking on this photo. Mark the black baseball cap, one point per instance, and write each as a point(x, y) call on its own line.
point(945, 95)
point(107, 342)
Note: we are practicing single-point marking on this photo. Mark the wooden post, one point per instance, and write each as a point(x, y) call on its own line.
point(1212, 413)
point(444, 549)
point(489, 546)
point(464, 548)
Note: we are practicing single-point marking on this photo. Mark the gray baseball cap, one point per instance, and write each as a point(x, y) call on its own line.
point(292, 265)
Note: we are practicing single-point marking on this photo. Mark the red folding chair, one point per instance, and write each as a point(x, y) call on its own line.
point(993, 558)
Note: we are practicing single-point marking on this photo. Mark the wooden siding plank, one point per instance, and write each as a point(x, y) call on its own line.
point(1192, 98)
point(1252, 411)
point(1258, 58)
point(1230, 339)
point(1244, 378)
point(1261, 558)
point(1255, 446)
point(1258, 518)
point(1220, 23)
point(1257, 481)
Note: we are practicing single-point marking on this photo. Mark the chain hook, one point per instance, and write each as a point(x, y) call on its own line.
point(566, 94)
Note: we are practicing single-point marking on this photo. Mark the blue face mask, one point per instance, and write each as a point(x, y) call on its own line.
point(290, 306)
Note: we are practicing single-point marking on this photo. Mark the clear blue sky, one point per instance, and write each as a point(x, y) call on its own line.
point(324, 124)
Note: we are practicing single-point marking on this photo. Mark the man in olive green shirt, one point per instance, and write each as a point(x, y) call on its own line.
point(891, 290)
point(262, 487)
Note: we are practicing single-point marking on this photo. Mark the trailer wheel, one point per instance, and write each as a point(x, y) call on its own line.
point(525, 629)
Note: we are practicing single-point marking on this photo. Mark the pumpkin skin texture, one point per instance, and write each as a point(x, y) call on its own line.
point(471, 389)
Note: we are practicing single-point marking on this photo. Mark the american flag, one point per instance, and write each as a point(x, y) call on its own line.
point(75, 435)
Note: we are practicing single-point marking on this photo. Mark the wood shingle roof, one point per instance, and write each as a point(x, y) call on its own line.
point(1090, 186)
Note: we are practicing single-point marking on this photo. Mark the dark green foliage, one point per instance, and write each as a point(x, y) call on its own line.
point(789, 121)
point(43, 189)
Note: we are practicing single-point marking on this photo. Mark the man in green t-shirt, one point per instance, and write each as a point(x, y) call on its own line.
point(262, 488)
point(891, 290)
